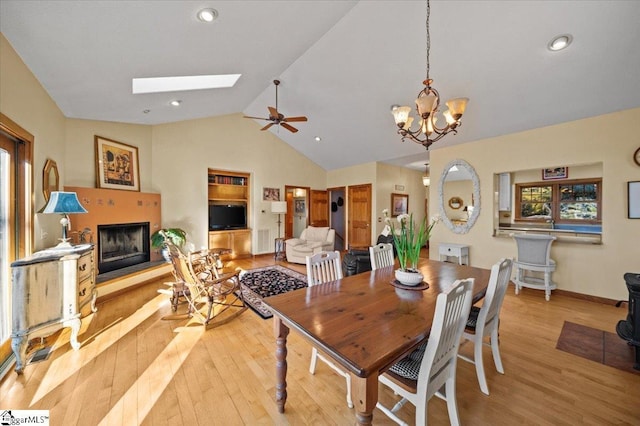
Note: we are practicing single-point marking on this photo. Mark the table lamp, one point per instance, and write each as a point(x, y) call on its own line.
point(279, 207)
point(64, 203)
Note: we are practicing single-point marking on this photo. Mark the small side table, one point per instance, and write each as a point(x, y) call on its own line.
point(279, 252)
point(461, 251)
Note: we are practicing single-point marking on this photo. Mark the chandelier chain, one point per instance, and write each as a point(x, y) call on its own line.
point(428, 37)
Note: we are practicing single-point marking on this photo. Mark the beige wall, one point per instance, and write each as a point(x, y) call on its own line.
point(25, 101)
point(182, 152)
point(611, 139)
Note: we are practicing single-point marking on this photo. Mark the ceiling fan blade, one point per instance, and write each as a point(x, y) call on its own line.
point(273, 112)
point(289, 127)
point(267, 126)
point(290, 119)
point(257, 118)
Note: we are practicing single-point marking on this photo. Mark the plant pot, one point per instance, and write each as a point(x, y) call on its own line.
point(409, 277)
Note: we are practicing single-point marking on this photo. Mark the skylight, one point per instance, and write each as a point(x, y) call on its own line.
point(191, 82)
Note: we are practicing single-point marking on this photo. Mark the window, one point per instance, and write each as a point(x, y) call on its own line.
point(575, 201)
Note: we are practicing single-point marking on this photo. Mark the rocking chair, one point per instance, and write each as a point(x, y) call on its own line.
point(210, 293)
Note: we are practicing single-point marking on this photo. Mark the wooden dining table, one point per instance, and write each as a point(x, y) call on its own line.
point(364, 323)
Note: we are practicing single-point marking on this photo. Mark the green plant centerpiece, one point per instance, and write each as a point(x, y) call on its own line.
point(409, 238)
point(176, 236)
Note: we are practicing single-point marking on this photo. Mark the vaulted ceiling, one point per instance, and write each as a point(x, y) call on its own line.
point(341, 63)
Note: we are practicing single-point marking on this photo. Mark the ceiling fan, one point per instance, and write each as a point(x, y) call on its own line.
point(278, 119)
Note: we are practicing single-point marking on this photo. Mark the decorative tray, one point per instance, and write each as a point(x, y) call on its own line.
point(422, 286)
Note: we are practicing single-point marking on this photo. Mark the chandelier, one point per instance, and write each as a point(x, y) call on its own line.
point(427, 104)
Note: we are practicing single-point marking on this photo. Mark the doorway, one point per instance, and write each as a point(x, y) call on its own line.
point(297, 217)
point(16, 151)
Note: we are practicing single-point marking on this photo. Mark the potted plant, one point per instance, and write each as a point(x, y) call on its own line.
point(408, 240)
point(176, 236)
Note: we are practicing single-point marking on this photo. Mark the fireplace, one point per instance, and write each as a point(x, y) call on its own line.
point(121, 245)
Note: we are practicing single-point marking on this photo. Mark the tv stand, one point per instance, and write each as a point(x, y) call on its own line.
point(238, 240)
point(233, 188)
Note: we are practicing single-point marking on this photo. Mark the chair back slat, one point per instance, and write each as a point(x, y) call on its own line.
point(533, 248)
point(450, 317)
point(381, 255)
point(494, 296)
point(323, 267)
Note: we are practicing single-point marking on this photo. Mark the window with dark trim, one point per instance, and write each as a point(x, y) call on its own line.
point(569, 201)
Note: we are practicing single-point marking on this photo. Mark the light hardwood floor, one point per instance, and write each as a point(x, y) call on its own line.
point(136, 368)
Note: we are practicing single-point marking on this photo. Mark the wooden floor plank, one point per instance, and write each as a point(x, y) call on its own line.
point(135, 368)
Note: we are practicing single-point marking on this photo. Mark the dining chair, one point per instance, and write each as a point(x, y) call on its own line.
point(321, 268)
point(534, 251)
point(484, 321)
point(210, 293)
point(431, 368)
point(381, 255)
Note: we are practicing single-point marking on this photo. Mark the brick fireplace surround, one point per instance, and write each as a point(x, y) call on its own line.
point(111, 206)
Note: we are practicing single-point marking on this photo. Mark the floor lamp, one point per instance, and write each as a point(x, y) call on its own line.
point(279, 207)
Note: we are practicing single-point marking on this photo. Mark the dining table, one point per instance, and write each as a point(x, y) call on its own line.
point(365, 323)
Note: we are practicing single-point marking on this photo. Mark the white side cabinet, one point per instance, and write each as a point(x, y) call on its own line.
point(461, 251)
point(49, 290)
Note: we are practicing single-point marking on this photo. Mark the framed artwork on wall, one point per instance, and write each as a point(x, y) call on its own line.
point(299, 206)
point(270, 194)
point(555, 173)
point(633, 199)
point(117, 165)
point(399, 204)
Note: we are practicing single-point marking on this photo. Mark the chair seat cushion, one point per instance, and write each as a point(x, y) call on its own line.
point(473, 318)
point(409, 366)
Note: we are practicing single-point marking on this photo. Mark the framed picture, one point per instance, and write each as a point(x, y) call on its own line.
point(270, 194)
point(116, 165)
point(633, 195)
point(555, 173)
point(299, 206)
point(399, 204)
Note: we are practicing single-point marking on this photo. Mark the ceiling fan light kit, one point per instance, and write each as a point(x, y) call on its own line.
point(278, 119)
point(427, 105)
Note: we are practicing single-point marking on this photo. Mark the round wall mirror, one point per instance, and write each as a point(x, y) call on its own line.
point(50, 179)
point(459, 196)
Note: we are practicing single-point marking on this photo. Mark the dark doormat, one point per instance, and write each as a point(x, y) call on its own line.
point(597, 345)
point(40, 354)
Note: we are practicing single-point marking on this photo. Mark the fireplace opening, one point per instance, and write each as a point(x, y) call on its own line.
point(121, 245)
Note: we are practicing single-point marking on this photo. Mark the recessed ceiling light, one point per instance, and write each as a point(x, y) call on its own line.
point(146, 111)
point(560, 42)
point(176, 102)
point(318, 138)
point(207, 15)
point(189, 82)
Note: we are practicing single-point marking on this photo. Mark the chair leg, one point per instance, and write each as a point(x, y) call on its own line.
point(349, 401)
point(452, 405)
point(477, 358)
point(495, 349)
point(518, 279)
point(547, 285)
point(314, 360)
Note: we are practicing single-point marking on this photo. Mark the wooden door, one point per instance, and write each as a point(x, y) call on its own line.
point(319, 208)
point(359, 215)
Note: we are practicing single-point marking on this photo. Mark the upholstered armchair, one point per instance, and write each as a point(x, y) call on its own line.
point(312, 240)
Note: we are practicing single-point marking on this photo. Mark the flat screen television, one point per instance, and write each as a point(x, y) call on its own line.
point(227, 216)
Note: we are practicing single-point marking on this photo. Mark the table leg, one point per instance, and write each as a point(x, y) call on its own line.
point(281, 331)
point(364, 391)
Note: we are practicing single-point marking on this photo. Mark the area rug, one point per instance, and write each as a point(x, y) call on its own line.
point(596, 345)
point(261, 283)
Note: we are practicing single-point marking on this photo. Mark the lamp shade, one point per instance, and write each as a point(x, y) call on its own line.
point(63, 203)
point(278, 207)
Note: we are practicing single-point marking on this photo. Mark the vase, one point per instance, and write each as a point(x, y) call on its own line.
point(409, 277)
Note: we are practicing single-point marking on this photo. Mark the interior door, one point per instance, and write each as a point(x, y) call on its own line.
point(359, 215)
point(319, 208)
point(15, 236)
